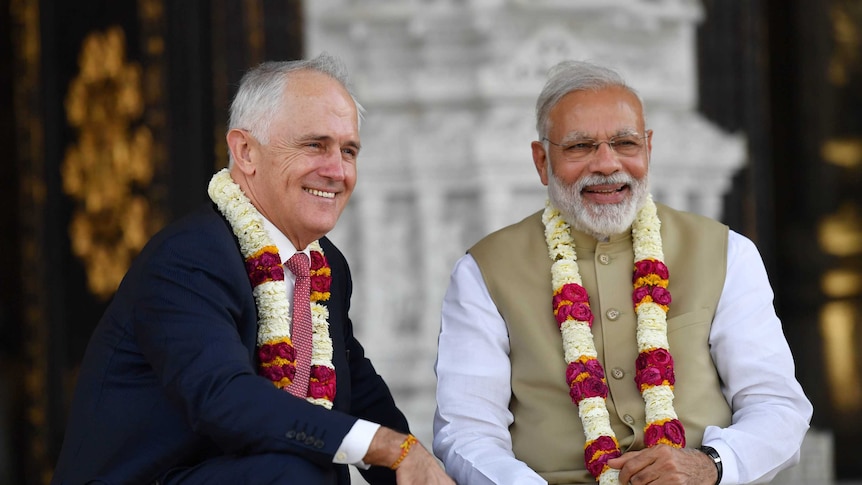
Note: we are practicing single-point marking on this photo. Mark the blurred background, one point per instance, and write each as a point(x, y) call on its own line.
point(113, 113)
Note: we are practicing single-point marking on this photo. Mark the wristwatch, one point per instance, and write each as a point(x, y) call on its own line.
point(716, 458)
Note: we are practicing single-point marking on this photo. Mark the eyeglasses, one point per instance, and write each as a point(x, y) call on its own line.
point(581, 148)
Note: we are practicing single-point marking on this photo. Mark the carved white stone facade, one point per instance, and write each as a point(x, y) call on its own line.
point(450, 87)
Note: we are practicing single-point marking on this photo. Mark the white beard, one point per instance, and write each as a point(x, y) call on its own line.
point(598, 220)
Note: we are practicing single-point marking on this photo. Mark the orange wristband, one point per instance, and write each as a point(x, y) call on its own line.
point(405, 448)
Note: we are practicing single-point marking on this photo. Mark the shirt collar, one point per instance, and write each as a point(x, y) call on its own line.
point(285, 247)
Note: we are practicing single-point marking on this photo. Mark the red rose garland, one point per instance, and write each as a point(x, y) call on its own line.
point(275, 351)
point(584, 373)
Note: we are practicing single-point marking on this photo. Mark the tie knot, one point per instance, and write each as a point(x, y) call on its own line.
point(298, 264)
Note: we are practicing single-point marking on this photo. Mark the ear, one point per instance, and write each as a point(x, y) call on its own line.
point(540, 159)
point(649, 146)
point(239, 143)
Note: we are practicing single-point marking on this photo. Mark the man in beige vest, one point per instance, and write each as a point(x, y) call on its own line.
point(609, 338)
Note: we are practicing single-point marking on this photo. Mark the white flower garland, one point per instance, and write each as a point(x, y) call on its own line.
point(270, 296)
point(580, 351)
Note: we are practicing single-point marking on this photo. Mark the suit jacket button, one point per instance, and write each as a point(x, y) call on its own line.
point(300, 436)
point(310, 440)
point(318, 444)
point(290, 434)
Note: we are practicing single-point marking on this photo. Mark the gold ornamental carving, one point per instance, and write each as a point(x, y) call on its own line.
point(109, 167)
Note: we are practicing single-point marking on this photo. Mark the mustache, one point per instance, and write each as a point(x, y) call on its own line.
point(598, 179)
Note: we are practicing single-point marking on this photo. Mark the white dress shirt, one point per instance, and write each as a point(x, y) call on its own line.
point(770, 410)
point(355, 445)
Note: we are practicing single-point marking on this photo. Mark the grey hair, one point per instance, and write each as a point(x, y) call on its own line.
point(261, 90)
point(571, 76)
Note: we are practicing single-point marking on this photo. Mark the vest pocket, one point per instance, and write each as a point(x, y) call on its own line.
point(697, 317)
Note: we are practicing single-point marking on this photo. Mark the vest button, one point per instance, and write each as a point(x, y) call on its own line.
point(612, 314)
point(629, 419)
point(617, 373)
point(604, 259)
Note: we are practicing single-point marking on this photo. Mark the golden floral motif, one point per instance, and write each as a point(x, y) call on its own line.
point(109, 166)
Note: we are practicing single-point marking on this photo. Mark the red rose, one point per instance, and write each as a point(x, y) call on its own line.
point(322, 384)
point(321, 283)
point(598, 452)
point(575, 293)
point(321, 390)
point(573, 370)
point(661, 270)
point(653, 434)
point(642, 361)
point(667, 374)
point(265, 353)
point(643, 268)
point(606, 443)
point(575, 311)
point(649, 376)
point(559, 300)
point(289, 371)
point(285, 351)
point(659, 358)
point(595, 368)
point(675, 432)
point(660, 295)
point(639, 294)
point(318, 260)
point(269, 260)
point(596, 466)
point(272, 372)
point(594, 387)
point(277, 273)
point(575, 391)
point(602, 443)
point(561, 313)
point(571, 292)
point(256, 275)
point(582, 312)
point(322, 373)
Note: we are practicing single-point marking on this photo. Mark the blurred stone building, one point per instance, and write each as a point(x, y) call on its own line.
point(450, 90)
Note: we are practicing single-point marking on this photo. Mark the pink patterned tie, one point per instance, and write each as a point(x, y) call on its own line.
point(301, 331)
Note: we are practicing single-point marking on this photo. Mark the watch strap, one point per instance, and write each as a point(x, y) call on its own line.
point(716, 458)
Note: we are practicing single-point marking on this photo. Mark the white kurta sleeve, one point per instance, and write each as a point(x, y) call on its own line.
point(471, 424)
point(770, 410)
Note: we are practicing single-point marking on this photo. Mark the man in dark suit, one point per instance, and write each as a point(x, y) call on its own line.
point(199, 372)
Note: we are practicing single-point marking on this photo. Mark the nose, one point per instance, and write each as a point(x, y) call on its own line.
point(332, 166)
point(605, 160)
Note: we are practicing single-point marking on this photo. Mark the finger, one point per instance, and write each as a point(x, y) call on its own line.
point(621, 460)
point(634, 466)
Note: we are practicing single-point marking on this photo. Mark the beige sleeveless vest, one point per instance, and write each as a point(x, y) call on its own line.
point(547, 433)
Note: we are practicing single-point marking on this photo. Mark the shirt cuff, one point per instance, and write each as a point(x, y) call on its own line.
point(355, 444)
point(729, 466)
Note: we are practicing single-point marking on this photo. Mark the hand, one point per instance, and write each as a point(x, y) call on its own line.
point(418, 467)
point(665, 465)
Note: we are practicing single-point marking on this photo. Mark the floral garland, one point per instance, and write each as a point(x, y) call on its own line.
point(265, 271)
point(584, 374)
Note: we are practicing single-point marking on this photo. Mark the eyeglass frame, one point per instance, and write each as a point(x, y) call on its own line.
point(596, 143)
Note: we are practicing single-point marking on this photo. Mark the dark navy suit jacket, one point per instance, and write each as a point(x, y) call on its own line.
point(168, 379)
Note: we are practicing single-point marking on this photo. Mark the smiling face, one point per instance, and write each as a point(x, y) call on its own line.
point(302, 179)
point(600, 193)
